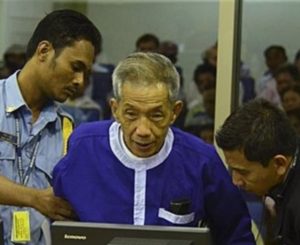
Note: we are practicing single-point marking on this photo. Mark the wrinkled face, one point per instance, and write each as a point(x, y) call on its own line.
point(66, 74)
point(290, 100)
point(252, 176)
point(283, 80)
point(145, 114)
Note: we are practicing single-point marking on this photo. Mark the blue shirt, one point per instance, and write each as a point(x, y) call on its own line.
point(49, 152)
point(104, 182)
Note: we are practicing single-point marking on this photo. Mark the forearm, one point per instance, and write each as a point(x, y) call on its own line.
point(15, 194)
point(42, 200)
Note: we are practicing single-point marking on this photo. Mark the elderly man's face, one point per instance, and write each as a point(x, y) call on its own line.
point(145, 114)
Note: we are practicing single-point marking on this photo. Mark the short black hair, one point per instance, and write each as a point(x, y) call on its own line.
point(275, 47)
point(290, 69)
point(260, 130)
point(148, 37)
point(204, 68)
point(62, 28)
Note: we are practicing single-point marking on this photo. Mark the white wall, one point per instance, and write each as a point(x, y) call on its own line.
point(19, 18)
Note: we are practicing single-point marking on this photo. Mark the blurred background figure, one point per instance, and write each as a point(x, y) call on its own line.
point(200, 122)
point(147, 43)
point(247, 82)
point(170, 50)
point(294, 117)
point(101, 86)
point(291, 97)
point(275, 56)
point(286, 75)
point(297, 60)
point(210, 55)
point(204, 78)
point(14, 59)
point(206, 133)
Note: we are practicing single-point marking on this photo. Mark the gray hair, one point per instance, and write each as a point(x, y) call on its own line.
point(146, 69)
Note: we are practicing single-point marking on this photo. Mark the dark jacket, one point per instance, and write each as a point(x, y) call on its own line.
point(287, 198)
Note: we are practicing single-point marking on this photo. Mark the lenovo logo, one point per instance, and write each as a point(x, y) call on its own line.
point(74, 237)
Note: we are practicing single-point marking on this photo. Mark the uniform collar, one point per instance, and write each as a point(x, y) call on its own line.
point(14, 100)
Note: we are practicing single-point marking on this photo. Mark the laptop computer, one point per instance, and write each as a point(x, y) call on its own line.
point(72, 233)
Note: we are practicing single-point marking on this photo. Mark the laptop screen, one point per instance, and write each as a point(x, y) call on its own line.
point(72, 233)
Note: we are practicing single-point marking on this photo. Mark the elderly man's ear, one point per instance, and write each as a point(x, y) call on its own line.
point(177, 108)
point(114, 108)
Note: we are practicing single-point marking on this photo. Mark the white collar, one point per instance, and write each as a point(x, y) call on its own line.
point(121, 151)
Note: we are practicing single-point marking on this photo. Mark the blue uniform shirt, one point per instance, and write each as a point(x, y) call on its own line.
point(49, 152)
point(104, 182)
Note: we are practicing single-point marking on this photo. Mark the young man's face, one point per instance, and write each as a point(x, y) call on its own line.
point(145, 114)
point(66, 75)
point(251, 176)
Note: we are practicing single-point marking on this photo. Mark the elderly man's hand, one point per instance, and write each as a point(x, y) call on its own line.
point(51, 206)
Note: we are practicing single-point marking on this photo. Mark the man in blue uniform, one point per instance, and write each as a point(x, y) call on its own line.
point(60, 55)
point(262, 150)
point(139, 170)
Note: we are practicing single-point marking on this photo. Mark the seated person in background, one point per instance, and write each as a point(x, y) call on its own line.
point(147, 43)
point(247, 83)
point(294, 117)
point(204, 108)
point(138, 170)
point(204, 77)
point(204, 130)
point(297, 60)
point(290, 97)
point(262, 151)
point(100, 87)
point(285, 76)
point(14, 59)
point(170, 50)
point(275, 56)
point(200, 123)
